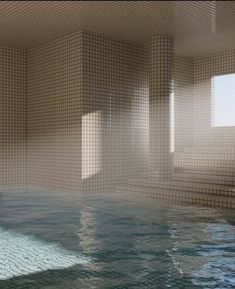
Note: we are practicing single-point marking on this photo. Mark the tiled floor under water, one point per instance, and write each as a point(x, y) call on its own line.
point(50, 241)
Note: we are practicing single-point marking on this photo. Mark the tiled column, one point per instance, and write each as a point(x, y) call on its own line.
point(160, 93)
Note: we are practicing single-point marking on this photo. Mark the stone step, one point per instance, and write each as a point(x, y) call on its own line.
point(204, 178)
point(211, 150)
point(177, 195)
point(187, 186)
point(209, 171)
point(205, 156)
point(211, 166)
point(203, 162)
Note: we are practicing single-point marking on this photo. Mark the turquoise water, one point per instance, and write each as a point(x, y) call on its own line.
point(52, 242)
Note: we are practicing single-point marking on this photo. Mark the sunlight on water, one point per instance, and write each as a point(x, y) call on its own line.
point(22, 255)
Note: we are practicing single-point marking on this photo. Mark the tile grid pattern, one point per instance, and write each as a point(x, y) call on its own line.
point(114, 112)
point(87, 113)
point(199, 27)
point(183, 103)
point(160, 94)
point(87, 119)
point(12, 117)
point(54, 114)
point(203, 156)
point(204, 69)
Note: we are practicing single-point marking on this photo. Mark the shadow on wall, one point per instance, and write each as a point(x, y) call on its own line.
point(12, 117)
point(114, 145)
point(114, 112)
point(87, 112)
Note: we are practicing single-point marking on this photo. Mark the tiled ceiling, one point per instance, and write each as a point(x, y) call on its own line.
point(199, 27)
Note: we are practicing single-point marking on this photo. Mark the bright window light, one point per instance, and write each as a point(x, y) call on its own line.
point(223, 103)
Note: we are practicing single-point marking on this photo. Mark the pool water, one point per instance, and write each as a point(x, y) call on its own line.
point(50, 241)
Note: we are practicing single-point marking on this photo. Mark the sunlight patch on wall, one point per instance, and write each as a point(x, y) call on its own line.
point(172, 120)
point(91, 144)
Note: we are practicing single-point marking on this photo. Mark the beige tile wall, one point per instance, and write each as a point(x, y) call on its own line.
point(87, 113)
point(54, 124)
point(205, 68)
point(115, 100)
point(12, 117)
point(183, 102)
point(161, 72)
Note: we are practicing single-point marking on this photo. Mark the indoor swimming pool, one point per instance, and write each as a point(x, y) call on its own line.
point(50, 241)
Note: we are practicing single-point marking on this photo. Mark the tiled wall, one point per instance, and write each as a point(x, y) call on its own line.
point(160, 97)
point(12, 117)
point(87, 113)
point(183, 103)
point(205, 68)
point(193, 100)
point(114, 112)
point(54, 125)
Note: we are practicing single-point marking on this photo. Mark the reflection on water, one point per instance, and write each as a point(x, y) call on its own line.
point(219, 255)
point(124, 244)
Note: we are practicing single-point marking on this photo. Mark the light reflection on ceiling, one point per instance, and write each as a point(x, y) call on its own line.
point(199, 27)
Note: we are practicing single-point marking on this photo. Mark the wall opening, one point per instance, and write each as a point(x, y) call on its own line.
point(223, 100)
